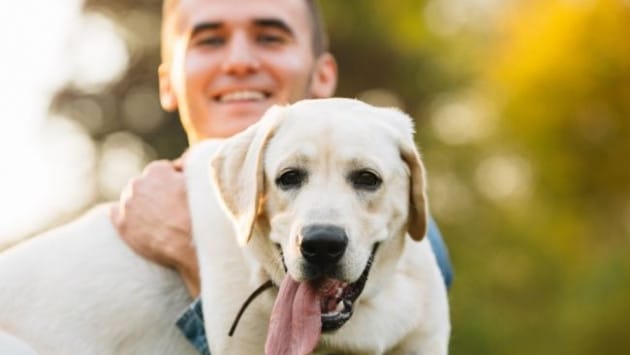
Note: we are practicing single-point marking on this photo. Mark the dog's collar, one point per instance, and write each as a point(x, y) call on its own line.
point(249, 300)
point(255, 294)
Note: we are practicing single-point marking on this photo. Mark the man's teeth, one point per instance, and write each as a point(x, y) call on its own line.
point(242, 96)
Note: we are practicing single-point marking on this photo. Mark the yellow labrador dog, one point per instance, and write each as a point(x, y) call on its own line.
point(322, 194)
point(328, 203)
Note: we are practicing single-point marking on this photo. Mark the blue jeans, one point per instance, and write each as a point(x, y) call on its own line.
point(191, 321)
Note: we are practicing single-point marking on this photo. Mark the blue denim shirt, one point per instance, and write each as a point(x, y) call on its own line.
point(191, 321)
point(191, 324)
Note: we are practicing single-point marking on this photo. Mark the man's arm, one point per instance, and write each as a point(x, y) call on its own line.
point(153, 219)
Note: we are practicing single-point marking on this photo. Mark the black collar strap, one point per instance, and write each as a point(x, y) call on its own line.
point(249, 299)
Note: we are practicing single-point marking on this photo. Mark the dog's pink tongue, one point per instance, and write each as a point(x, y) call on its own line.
point(296, 320)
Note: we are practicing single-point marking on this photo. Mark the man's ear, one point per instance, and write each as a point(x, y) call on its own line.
point(168, 100)
point(238, 172)
point(324, 79)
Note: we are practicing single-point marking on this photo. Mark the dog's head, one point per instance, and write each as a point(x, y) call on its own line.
point(322, 183)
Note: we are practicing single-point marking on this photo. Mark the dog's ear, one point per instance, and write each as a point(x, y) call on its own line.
point(238, 174)
point(418, 208)
point(418, 204)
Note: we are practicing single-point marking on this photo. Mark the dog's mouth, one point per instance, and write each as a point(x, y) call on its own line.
point(303, 310)
point(337, 297)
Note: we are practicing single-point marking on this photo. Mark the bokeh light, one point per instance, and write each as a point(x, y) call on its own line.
point(141, 109)
point(504, 178)
point(463, 119)
point(99, 55)
point(123, 156)
point(50, 161)
point(382, 98)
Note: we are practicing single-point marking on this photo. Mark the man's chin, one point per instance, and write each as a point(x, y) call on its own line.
point(227, 120)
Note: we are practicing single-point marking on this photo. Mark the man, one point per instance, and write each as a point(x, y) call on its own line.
point(223, 64)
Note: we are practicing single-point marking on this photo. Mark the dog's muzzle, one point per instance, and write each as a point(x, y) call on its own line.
point(322, 246)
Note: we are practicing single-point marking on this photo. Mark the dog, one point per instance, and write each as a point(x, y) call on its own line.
point(327, 201)
point(316, 199)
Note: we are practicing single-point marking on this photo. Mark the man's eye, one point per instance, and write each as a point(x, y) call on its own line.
point(269, 39)
point(211, 41)
point(291, 179)
point(365, 180)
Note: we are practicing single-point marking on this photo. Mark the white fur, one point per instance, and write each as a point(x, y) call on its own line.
point(79, 290)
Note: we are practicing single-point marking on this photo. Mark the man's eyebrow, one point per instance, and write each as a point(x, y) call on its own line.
point(274, 23)
point(262, 22)
point(206, 26)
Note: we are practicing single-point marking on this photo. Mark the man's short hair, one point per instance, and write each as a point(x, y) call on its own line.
point(319, 36)
point(318, 28)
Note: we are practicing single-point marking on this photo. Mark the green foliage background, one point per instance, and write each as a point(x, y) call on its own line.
point(523, 117)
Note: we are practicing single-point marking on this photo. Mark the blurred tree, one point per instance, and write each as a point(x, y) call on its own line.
point(553, 261)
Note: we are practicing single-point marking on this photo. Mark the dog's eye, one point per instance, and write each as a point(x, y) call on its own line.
point(365, 180)
point(291, 179)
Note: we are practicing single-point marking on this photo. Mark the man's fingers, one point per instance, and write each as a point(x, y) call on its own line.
point(161, 167)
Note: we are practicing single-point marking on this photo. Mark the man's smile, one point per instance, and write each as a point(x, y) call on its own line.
point(242, 95)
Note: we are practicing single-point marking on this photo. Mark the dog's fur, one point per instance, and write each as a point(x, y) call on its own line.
point(79, 290)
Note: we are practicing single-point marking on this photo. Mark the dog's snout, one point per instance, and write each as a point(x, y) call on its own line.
point(323, 244)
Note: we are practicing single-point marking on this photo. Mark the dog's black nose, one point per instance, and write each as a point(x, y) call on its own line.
point(323, 244)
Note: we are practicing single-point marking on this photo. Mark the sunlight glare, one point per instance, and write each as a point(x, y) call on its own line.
point(48, 162)
point(463, 119)
point(504, 178)
point(100, 55)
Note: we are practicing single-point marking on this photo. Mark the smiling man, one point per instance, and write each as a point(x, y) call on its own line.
point(223, 64)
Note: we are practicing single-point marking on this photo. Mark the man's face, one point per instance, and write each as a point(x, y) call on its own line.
point(231, 60)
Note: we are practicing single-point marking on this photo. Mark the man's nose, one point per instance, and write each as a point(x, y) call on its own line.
point(241, 58)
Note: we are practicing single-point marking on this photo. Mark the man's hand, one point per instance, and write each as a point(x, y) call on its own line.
point(153, 219)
